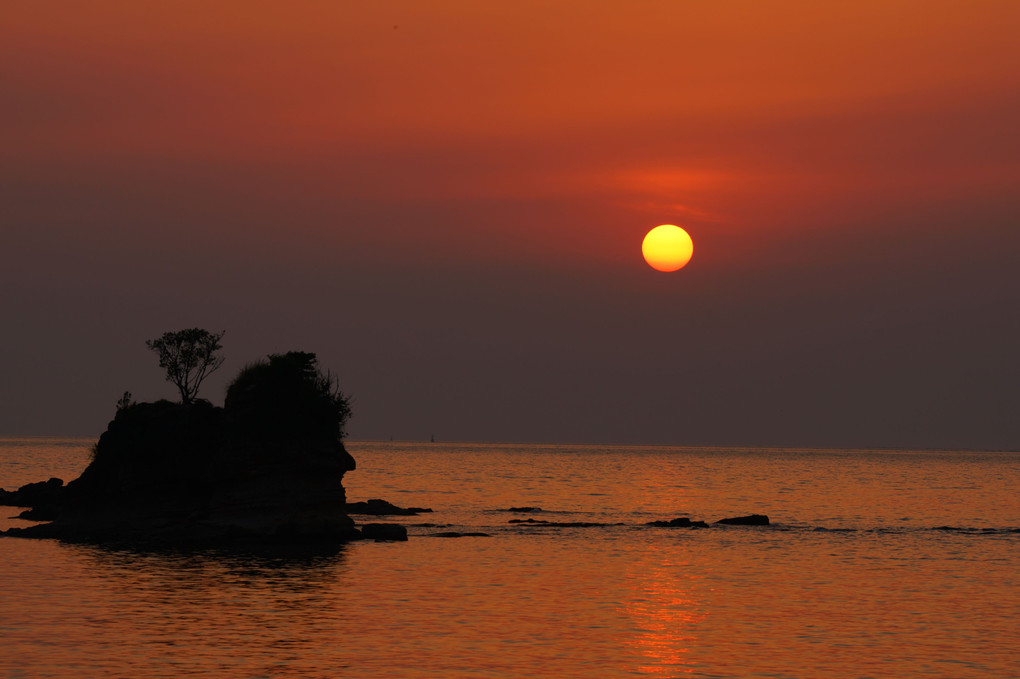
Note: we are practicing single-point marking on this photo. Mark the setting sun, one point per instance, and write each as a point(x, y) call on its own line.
point(667, 248)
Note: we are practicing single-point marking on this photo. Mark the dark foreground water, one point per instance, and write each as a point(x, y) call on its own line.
point(853, 579)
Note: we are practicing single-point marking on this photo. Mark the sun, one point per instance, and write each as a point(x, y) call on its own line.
point(667, 248)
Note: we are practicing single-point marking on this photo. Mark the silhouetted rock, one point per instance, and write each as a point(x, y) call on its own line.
point(377, 507)
point(750, 520)
point(454, 534)
point(679, 522)
point(384, 532)
point(268, 466)
point(34, 494)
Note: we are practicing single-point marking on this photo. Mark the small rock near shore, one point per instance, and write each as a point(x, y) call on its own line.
point(377, 507)
point(33, 494)
point(42, 513)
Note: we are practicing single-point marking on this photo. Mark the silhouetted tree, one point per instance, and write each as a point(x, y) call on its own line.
point(188, 356)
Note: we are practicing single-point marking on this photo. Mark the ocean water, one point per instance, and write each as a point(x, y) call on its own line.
point(877, 564)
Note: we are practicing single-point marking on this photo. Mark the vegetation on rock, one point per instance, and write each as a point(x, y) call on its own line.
point(287, 397)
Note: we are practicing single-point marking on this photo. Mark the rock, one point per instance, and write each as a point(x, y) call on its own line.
point(680, 522)
point(267, 468)
point(33, 494)
point(524, 510)
point(381, 532)
point(454, 534)
point(40, 513)
point(377, 507)
point(750, 520)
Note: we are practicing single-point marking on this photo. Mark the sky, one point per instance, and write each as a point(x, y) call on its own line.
point(445, 201)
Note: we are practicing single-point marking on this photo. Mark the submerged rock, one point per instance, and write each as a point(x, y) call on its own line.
point(564, 524)
point(455, 534)
point(381, 532)
point(679, 522)
point(750, 520)
point(377, 507)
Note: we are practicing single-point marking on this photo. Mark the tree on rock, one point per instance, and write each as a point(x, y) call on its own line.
point(188, 356)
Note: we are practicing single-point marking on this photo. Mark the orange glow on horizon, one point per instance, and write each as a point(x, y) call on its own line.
point(773, 119)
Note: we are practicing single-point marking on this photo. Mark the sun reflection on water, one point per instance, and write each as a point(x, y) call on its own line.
point(665, 614)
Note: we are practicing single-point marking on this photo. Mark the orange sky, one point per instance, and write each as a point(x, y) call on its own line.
point(847, 172)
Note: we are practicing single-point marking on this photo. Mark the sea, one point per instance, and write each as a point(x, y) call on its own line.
point(876, 563)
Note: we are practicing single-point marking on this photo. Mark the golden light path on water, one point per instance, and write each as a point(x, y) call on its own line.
point(666, 616)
